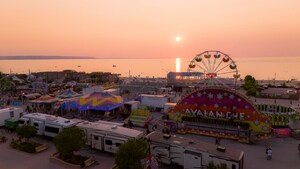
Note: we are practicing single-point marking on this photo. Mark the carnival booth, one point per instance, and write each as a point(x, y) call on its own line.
point(96, 104)
point(139, 117)
point(280, 116)
point(220, 112)
point(44, 104)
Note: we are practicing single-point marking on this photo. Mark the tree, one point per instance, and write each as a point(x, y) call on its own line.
point(211, 165)
point(249, 82)
point(26, 131)
point(6, 85)
point(250, 85)
point(222, 166)
point(68, 141)
point(251, 92)
point(131, 153)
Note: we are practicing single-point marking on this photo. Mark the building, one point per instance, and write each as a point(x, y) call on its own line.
point(182, 78)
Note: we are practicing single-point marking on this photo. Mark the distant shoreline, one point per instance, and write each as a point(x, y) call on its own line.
point(43, 57)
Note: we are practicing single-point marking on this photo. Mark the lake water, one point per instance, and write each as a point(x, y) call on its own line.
point(266, 68)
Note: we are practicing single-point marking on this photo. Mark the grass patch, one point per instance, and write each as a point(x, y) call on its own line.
point(28, 147)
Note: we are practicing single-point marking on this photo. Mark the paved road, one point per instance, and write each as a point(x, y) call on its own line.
point(14, 159)
point(285, 152)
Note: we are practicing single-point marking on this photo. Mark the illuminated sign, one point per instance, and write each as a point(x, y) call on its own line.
point(215, 114)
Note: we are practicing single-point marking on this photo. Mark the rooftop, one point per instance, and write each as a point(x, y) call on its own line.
point(111, 128)
point(51, 119)
point(9, 109)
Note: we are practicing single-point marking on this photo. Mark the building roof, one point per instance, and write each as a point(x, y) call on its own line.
point(132, 102)
point(189, 144)
point(170, 104)
point(49, 119)
point(150, 95)
point(32, 95)
point(45, 99)
point(9, 109)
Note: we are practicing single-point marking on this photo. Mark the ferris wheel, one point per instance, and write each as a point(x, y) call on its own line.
point(217, 68)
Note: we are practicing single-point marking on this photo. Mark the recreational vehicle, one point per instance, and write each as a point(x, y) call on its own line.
point(192, 154)
point(46, 124)
point(110, 123)
point(10, 113)
point(107, 137)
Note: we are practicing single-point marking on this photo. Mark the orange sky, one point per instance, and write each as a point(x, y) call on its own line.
point(146, 29)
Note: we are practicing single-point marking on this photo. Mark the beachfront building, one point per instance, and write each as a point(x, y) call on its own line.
point(183, 78)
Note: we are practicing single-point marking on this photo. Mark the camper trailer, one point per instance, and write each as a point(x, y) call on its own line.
point(107, 137)
point(192, 154)
point(10, 113)
point(46, 124)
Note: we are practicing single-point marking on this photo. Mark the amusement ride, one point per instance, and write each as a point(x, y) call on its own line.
point(217, 67)
point(214, 107)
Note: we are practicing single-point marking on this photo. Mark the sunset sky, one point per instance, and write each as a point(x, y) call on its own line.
point(148, 29)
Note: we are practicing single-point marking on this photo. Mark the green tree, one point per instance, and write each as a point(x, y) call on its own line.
point(26, 131)
point(212, 165)
point(222, 166)
point(251, 92)
point(131, 153)
point(249, 82)
point(250, 85)
point(6, 85)
point(68, 141)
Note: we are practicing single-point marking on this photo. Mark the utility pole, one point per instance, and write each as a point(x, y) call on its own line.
point(274, 79)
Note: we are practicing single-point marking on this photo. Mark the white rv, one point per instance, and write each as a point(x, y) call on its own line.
point(156, 101)
point(107, 137)
point(192, 154)
point(45, 124)
point(11, 112)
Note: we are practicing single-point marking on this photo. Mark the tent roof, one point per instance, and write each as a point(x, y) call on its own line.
point(68, 94)
point(100, 98)
point(97, 101)
point(45, 99)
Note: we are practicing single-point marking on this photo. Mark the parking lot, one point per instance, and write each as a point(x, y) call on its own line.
point(285, 153)
point(15, 159)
